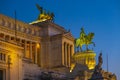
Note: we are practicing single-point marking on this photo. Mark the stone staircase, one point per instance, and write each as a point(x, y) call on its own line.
point(31, 71)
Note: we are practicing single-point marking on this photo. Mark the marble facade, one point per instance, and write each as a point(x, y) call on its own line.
point(28, 49)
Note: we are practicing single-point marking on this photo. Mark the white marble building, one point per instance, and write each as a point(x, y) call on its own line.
point(26, 50)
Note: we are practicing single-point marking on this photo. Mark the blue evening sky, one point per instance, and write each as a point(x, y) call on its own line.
point(99, 16)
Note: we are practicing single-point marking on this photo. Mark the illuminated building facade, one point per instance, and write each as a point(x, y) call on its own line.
point(28, 49)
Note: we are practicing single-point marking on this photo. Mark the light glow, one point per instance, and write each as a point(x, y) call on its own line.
point(38, 45)
point(86, 58)
point(72, 67)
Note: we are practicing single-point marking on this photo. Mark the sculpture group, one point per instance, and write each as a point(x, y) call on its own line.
point(44, 15)
point(84, 39)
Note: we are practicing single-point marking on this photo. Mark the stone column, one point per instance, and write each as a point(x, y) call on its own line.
point(25, 47)
point(36, 53)
point(31, 50)
point(39, 58)
point(65, 54)
point(68, 53)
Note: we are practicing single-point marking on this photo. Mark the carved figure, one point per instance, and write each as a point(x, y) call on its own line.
point(98, 67)
point(100, 60)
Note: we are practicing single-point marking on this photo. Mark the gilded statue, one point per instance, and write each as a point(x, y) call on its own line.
point(84, 39)
point(44, 15)
point(79, 42)
point(88, 39)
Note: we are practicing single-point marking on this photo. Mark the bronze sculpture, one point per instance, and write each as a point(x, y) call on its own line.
point(45, 15)
point(84, 39)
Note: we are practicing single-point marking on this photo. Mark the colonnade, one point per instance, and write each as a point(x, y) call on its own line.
point(31, 49)
point(67, 54)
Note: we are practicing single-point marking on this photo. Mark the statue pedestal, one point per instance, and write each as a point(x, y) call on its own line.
point(100, 74)
point(86, 58)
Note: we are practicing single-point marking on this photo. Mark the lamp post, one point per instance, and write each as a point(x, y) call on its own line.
point(9, 63)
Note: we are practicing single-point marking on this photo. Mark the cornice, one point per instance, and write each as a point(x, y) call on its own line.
point(57, 26)
point(9, 46)
point(49, 23)
point(68, 35)
point(21, 35)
